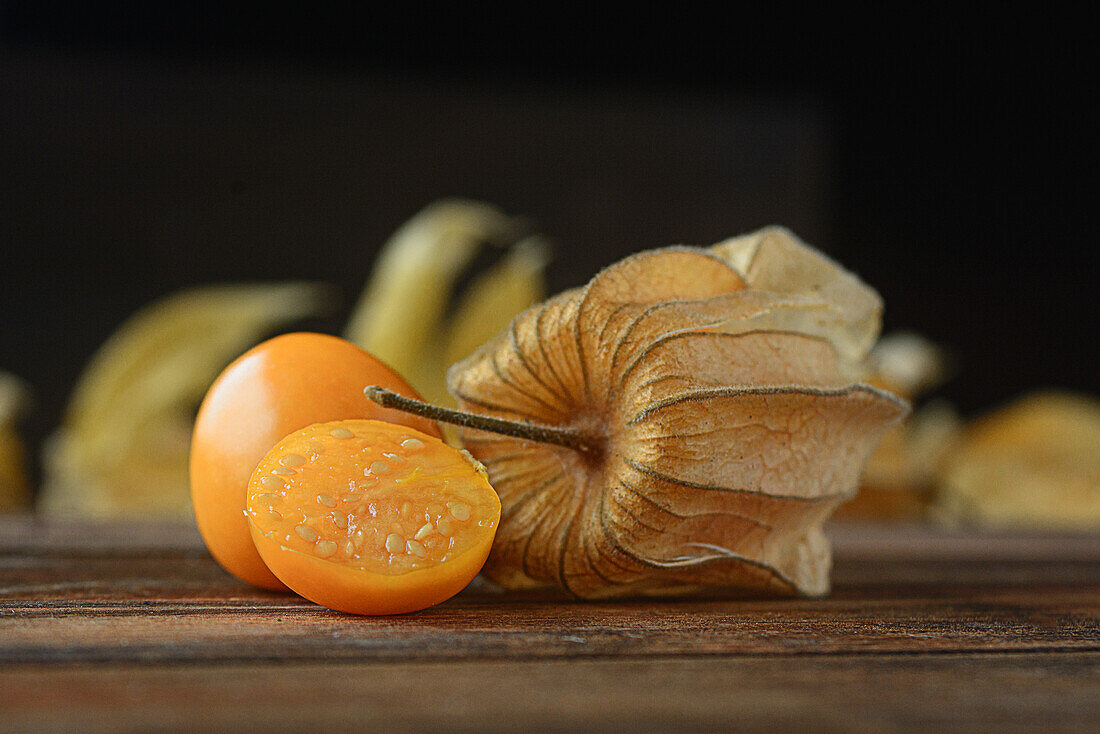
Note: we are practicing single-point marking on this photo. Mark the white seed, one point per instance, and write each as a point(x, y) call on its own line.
point(416, 549)
point(306, 533)
point(379, 467)
point(341, 433)
point(477, 465)
point(327, 500)
point(424, 531)
point(358, 538)
point(316, 447)
point(272, 483)
point(273, 516)
point(340, 519)
point(394, 543)
point(393, 457)
point(325, 548)
point(292, 460)
point(445, 527)
point(266, 499)
point(349, 549)
point(460, 511)
point(406, 508)
point(412, 444)
point(282, 471)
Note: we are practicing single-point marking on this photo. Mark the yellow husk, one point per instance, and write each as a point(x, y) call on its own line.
point(900, 476)
point(122, 447)
point(14, 488)
point(402, 318)
point(489, 304)
point(706, 421)
point(1034, 463)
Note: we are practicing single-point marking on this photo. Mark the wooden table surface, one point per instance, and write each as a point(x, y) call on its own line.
point(108, 627)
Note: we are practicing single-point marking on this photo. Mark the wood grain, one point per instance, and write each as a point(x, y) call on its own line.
point(125, 627)
point(973, 693)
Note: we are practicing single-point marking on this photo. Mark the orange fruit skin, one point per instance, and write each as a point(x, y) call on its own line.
point(360, 590)
point(278, 387)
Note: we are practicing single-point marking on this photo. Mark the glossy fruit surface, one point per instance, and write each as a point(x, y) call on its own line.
point(280, 386)
point(370, 517)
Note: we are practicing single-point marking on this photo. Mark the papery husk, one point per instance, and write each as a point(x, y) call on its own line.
point(907, 364)
point(899, 479)
point(122, 449)
point(775, 260)
point(717, 424)
point(1032, 464)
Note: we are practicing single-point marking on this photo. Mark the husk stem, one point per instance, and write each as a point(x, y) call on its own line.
point(516, 429)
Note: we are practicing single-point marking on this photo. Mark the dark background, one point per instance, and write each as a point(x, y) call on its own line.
point(949, 161)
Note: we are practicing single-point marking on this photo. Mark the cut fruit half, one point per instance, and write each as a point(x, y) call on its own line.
point(370, 517)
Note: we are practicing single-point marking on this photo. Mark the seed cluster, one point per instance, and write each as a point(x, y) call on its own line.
point(362, 500)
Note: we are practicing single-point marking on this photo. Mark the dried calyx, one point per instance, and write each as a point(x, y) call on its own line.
point(688, 419)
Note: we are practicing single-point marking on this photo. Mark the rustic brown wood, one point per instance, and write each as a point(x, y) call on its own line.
point(132, 626)
point(1001, 693)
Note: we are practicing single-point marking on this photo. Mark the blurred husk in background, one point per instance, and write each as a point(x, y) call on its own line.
point(899, 480)
point(14, 484)
point(407, 315)
point(122, 448)
point(1032, 463)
